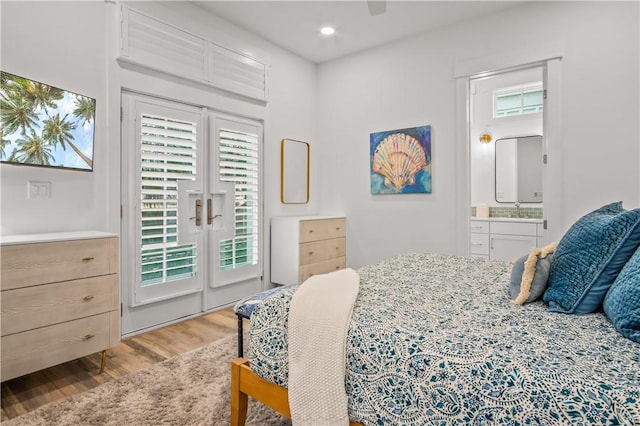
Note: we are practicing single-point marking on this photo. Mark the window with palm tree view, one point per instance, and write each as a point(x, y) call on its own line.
point(45, 126)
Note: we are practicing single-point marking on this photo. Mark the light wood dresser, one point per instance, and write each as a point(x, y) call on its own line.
point(60, 299)
point(303, 246)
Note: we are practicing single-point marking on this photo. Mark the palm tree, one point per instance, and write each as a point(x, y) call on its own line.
point(34, 93)
point(57, 130)
point(85, 109)
point(33, 150)
point(3, 142)
point(16, 114)
point(41, 95)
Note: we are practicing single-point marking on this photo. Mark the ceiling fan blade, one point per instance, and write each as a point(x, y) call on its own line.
point(377, 7)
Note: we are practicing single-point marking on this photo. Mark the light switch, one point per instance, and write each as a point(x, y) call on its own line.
point(39, 190)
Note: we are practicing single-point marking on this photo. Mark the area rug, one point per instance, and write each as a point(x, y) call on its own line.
point(189, 389)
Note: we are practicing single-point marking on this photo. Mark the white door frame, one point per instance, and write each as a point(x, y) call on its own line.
point(545, 55)
point(216, 288)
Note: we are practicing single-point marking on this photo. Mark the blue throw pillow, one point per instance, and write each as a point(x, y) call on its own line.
point(530, 274)
point(622, 303)
point(590, 256)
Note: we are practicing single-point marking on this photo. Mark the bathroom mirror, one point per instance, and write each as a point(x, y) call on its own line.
point(519, 169)
point(294, 172)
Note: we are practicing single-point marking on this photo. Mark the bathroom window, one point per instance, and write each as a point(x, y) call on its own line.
point(520, 100)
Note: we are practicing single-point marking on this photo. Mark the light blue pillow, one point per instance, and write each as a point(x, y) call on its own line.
point(622, 303)
point(590, 256)
point(532, 288)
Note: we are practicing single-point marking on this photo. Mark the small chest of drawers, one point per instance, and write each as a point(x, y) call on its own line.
point(305, 246)
point(60, 299)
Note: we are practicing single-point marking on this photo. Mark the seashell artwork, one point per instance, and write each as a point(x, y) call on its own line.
point(401, 161)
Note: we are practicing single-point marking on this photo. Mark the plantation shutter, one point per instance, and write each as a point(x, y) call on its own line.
point(239, 165)
point(167, 156)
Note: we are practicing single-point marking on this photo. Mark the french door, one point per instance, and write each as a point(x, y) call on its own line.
point(191, 234)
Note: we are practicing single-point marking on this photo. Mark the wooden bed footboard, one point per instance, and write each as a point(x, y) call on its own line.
point(245, 383)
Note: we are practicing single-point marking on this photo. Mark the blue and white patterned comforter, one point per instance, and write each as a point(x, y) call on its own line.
point(433, 340)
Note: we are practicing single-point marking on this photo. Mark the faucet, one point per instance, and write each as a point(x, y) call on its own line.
point(518, 209)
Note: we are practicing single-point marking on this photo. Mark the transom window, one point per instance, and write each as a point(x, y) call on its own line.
point(519, 100)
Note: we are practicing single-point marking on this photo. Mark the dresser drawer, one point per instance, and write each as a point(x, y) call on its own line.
point(38, 306)
point(479, 244)
point(323, 267)
point(32, 264)
point(317, 251)
point(43, 347)
point(321, 229)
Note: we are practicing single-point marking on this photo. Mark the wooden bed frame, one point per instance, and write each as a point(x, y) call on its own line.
point(245, 383)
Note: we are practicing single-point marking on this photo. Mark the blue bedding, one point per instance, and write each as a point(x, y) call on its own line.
point(434, 340)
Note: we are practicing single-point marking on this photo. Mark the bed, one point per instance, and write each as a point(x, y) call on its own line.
point(433, 339)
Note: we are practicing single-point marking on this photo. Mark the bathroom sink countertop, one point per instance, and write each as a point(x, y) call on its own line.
point(507, 219)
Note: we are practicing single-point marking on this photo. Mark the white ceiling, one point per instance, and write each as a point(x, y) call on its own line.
point(295, 25)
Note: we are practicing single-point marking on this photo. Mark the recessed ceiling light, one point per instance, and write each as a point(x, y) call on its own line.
point(327, 31)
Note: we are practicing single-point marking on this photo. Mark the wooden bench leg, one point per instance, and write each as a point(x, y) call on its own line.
point(239, 400)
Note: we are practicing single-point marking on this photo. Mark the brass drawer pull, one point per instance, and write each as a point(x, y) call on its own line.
point(88, 336)
point(87, 259)
point(310, 253)
point(87, 298)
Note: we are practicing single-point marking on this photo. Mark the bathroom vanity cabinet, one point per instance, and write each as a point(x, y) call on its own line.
point(504, 238)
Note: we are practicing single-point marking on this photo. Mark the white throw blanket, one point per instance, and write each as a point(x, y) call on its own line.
point(318, 323)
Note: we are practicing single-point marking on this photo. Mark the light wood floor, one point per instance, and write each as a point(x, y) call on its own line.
point(26, 393)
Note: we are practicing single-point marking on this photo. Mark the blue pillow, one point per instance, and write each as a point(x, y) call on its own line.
point(622, 303)
point(530, 274)
point(590, 256)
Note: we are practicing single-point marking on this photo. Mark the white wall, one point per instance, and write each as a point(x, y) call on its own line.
point(410, 83)
point(68, 45)
point(62, 44)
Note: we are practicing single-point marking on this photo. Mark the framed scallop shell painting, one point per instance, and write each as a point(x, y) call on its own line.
point(401, 161)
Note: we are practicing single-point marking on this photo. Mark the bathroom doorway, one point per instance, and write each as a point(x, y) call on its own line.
point(505, 144)
point(544, 57)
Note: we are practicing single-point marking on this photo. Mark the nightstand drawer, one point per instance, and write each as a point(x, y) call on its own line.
point(321, 229)
point(39, 306)
point(317, 251)
point(32, 264)
point(323, 267)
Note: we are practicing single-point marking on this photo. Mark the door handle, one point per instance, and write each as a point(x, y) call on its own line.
point(198, 216)
point(209, 211)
